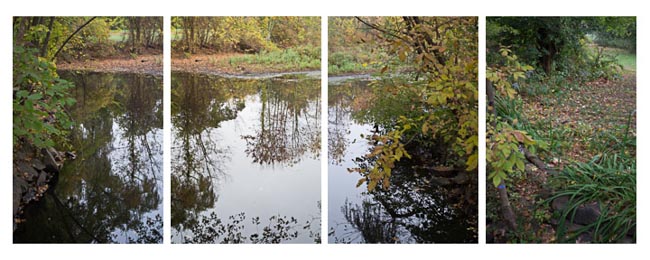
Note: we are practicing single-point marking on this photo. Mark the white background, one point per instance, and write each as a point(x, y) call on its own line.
point(317, 8)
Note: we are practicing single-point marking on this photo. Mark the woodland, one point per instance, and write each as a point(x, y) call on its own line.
point(561, 137)
point(245, 45)
point(73, 103)
point(421, 101)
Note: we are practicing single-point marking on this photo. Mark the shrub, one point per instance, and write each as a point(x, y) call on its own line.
point(40, 97)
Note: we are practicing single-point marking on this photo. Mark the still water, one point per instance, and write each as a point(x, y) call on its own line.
point(412, 210)
point(112, 191)
point(245, 159)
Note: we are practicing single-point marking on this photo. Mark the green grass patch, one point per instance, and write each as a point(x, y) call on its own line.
point(351, 61)
point(623, 57)
point(117, 36)
point(297, 58)
point(609, 180)
point(627, 60)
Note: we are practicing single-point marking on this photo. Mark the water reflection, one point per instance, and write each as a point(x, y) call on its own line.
point(240, 147)
point(112, 191)
point(287, 128)
point(413, 209)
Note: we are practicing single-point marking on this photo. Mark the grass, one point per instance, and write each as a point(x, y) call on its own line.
point(359, 60)
point(117, 36)
point(350, 62)
point(627, 60)
point(623, 57)
point(590, 134)
point(610, 180)
point(292, 59)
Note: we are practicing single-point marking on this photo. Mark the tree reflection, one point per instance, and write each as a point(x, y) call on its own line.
point(278, 229)
point(289, 122)
point(101, 197)
point(344, 99)
point(289, 128)
point(413, 209)
point(199, 104)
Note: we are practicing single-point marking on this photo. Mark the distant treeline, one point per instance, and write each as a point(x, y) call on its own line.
point(243, 34)
point(87, 37)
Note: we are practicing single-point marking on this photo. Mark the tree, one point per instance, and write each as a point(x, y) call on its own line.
point(443, 52)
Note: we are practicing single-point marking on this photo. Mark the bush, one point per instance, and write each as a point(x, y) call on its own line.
point(40, 97)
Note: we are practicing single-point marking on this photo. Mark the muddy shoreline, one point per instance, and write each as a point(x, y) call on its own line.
point(145, 64)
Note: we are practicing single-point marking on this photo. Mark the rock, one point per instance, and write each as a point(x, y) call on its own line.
point(627, 240)
point(38, 165)
point(20, 186)
point(26, 171)
point(461, 178)
point(584, 214)
point(49, 159)
point(587, 214)
point(559, 203)
point(29, 195)
point(441, 181)
point(42, 178)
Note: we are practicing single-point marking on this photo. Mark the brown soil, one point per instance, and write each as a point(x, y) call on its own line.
point(146, 64)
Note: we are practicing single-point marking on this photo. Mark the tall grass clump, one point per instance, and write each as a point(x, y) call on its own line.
point(609, 180)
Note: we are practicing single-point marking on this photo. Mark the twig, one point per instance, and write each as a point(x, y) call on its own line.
point(70, 37)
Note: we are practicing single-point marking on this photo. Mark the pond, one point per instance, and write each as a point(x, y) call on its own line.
point(413, 209)
point(112, 191)
point(245, 159)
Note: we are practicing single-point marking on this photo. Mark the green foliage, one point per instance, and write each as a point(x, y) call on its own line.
point(511, 70)
point(603, 65)
point(244, 34)
point(39, 101)
point(561, 44)
point(617, 32)
point(609, 180)
point(96, 39)
point(388, 150)
point(504, 155)
point(443, 105)
point(302, 57)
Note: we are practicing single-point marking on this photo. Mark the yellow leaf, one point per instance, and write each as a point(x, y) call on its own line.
point(371, 185)
point(361, 181)
point(472, 162)
point(386, 183)
point(376, 151)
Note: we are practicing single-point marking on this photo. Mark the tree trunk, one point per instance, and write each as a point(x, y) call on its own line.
point(46, 42)
point(23, 25)
point(548, 48)
point(506, 210)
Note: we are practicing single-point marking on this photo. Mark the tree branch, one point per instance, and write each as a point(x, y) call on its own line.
point(71, 35)
point(375, 27)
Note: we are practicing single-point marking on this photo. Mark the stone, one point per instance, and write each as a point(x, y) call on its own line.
point(559, 203)
point(461, 178)
point(42, 178)
point(441, 181)
point(38, 165)
point(20, 186)
point(51, 165)
point(584, 214)
point(627, 240)
point(26, 171)
point(587, 214)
